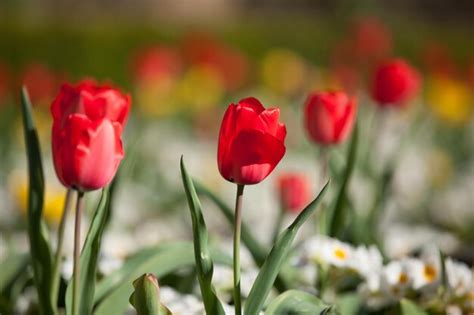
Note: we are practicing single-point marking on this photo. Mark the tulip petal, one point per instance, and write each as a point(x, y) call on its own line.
point(97, 156)
point(270, 119)
point(254, 155)
point(252, 103)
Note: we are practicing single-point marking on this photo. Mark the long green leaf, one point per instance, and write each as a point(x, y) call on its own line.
point(10, 268)
point(167, 259)
point(406, 307)
point(146, 296)
point(270, 269)
point(204, 264)
point(337, 216)
point(298, 302)
point(41, 257)
point(117, 277)
point(257, 250)
point(88, 261)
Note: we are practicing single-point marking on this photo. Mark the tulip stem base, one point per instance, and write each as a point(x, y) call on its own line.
point(237, 232)
point(59, 247)
point(77, 245)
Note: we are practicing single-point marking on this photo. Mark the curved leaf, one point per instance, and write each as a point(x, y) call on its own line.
point(88, 261)
point(337, 216)
point(407, 307)
point(204, 264)
point(117, 277)
point(167, 259)
point(298, 302)
point(270, 269)
point(257, 250)
point(146, 296)
point(41, 257)
point(10, 268)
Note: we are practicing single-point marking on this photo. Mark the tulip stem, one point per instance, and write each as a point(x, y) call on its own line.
point(324, 165)
point(278, 223)
point(77, 244)
point(59, 247)
point(237, 226)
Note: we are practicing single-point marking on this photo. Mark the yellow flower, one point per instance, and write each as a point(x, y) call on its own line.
point(157, 98)
point(440, 161)
point(53, 202)
point(450, 100)
point(284, 72)
point(200, 88)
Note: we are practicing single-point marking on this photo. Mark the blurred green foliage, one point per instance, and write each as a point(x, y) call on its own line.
point(102, 49)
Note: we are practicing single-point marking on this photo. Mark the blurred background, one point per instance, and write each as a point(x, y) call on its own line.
point(183, 62)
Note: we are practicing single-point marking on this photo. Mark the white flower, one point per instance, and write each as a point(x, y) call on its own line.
point(459, 276)
point(329, 251)
point(426, 270)
point(366, 261)
point(397, 277)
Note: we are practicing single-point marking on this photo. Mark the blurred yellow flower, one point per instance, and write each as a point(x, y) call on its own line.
point(283, 72)
point(450, 100)
point(440, 161)
point(53, 202)
point(200, 88)
point(157, 98)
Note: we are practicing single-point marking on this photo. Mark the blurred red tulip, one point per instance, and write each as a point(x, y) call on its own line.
point(251, 142)
point(371, 40)
point(438, 60)
point(41, 82)
point(346, 77)
point(156, 63)
point(394, 83)
point(329, 117)
point(470, 74)
point(230, 64)
point(86, 135)
point(294, 190)
point(5, 83)
point(367, 41)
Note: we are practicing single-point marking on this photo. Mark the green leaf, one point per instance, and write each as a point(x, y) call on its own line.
point(167, 259)
point(204, 264)
point(270, 269)
point(407, 307)
point(337, 216)
point(88, 261)
point(10, 267)
point(298, 302)
point(146, 297)
point(117, 277)
point(257, 250)
point(41, 257)
point(349, 304)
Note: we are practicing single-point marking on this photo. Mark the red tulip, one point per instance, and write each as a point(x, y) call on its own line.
point(371, 40)
point(87, 128)
point(394, 83)
point(41, 82)
point(251, 142)
point(156, 63)
point(4, 83)
point(294, 191)
point(329, 117)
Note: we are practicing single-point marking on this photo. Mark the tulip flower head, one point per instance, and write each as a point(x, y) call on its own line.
point(251, 142)
point(329, 117)
point(394, 83)
point(294, 190)
point(86, 136)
